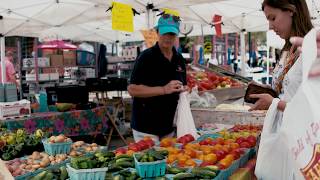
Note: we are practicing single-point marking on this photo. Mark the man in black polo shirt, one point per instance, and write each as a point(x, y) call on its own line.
point(159, 75)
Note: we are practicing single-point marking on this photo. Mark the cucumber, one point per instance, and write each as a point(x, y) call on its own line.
point(49, 176)
point(132, 176)
point(204, 173)
point(183, 176)
point(114, 168)
point(164, 152)
point(123, 156)
point(125, 173)
point(212, 168)
point(157, 155)
point(138, 157)
point(125, 164)
point(118, 177)
point(150, 159)
point(109, 154)
point(175, 170)
point(63, 173)
point(124, 160)
point(40, 176)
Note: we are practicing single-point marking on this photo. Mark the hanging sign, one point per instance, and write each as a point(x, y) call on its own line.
point(216, 20)
point(122, 17)
point(150, 37)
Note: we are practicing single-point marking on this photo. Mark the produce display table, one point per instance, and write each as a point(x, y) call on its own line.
point(210, 115)
point(71, 123)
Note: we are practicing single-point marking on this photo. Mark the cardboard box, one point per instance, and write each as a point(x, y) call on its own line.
point(69, 62)
point(56, 60)
point(13, 109)
point(49, 52)
point(42, 62)
point(69, 58)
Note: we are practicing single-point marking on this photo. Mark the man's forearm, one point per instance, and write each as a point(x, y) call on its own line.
point(143, 91)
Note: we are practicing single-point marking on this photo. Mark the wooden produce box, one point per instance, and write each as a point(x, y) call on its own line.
point(210, 115)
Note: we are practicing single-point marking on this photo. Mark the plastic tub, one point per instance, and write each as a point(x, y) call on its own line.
point(150, 169)
point(86, 174)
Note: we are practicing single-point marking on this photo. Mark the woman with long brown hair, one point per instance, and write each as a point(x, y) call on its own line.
point(287, 18)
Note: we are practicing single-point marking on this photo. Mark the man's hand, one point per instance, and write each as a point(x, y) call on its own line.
point(173, 86)
point(263, 103)
point(315, 71)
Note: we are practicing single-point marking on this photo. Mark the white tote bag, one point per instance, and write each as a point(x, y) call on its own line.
point(301, 120)
point(272, 160)
point(183, 117)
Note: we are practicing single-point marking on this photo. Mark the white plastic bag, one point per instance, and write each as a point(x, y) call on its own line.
point(272, 160)
point(301, 119)
point(183, 118)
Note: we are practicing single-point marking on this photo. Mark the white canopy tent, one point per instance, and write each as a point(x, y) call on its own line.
point(88, 20)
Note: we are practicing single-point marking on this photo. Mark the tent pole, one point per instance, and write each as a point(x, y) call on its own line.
point(268, 60)
point(2, 50)
point(3, 64)
point(243, 53)
point(148, 13)
point(243, 47)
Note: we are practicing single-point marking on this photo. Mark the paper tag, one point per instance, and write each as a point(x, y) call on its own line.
point(122, 17)
point(4, 173)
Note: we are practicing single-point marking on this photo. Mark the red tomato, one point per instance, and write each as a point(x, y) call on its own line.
point(206, 85)
point(121, 150)
point(220, 154)
point(189, 137)
point(134, 148)
point(240, 140)
point(245, 145)
point(150, 142)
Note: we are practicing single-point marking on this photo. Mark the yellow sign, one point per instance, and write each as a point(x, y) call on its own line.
point(122, 17)
point(150, 37)
point(170, 11)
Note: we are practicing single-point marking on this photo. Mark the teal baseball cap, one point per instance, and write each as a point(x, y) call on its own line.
point(168, 24)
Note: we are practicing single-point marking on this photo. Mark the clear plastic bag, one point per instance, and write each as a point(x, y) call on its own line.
point(205, 100)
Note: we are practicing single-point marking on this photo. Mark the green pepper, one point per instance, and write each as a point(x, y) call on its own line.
point(13, 153)
point(6, 156)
